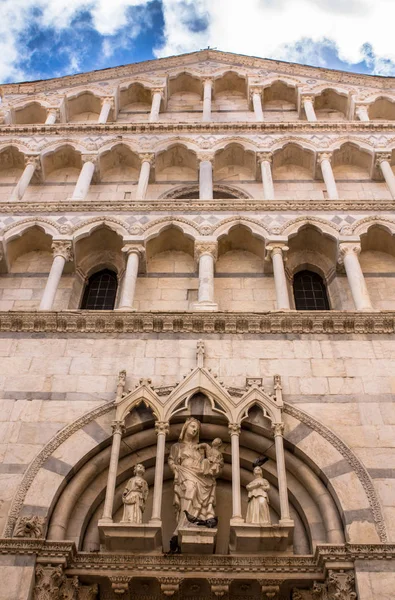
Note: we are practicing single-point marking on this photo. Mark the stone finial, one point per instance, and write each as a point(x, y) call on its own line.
point(62, 248)
point(200, 351)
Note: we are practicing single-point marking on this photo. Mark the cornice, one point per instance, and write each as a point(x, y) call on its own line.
point(112, 322)
point(199, 127)
point(191, 206)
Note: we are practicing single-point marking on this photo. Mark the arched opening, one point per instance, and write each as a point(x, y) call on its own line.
point(30, 113)
point(12, 163)
point(382, 109)
point(119, 164)
point(280, 98)
point(135, 99)
point(377, 260)
point(63, 165)
point(234, 163)
point(351, 162)
point(309, 291)
point(292, 162)
point(176, 163)
point(230, 93)
point(185, 93)
point(331, 106)
point(100, 291)
point(84, 107)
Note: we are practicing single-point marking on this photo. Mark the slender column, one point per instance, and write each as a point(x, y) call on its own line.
point(276, 252)
point(157, 95)
point(162, 429)
point(206, 255)
point(278, 429)
point(308, 105)
point(52, 116)
point(134, 252)
point(107, 105)
point(62, 252)
point(205, 176)
point(118, 427)
point(207, 93)
point(32, 163)
point(265, 158)
point(234, 430)
point(85, 177)
point(384, 162)
point(147, 160)
point(361, 110)
point(348, 252)
point(324, 158)
point(256, 96)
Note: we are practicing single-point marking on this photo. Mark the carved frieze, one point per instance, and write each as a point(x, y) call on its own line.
point(30, 527)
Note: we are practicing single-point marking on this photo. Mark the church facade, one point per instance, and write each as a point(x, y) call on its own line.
point(197, 318)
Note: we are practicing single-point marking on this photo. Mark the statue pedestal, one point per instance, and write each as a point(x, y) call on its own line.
point(256, 539)
point(127, 537)
point(197, 540)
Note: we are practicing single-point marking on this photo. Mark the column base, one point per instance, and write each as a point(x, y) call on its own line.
point(197, 540)
point(205, 306)
point(130, 537)
point(126, 309)
point(249, 538)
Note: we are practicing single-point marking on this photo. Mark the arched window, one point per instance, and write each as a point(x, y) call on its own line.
point(310, 291)
point(100, 291)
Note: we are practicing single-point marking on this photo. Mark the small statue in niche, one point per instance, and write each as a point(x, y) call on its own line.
point(135, 496)
point(258, 499)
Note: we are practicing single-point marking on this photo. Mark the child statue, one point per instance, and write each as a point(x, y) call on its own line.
point(135, 496)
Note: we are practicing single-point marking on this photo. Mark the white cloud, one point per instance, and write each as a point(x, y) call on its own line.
point(267, 28)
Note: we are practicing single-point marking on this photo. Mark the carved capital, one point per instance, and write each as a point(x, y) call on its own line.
point(276, 248)
point(255, 90)
point(161, 427)
point(382, 157)
point(278, 429)
point(33, 160)
point(208, 80)
point(147, 157)
point(118, 427)
point(88, 592)
point(53, 110)
point(321, 156)
point(49, 580)
point(219, 587)
point(205, 157)
point(134, 249)
point(307, 98)
point(108, 100)
point(92, 158)
point(158, 90)
point(169, 585)
point(62, 248)
point(348, 248)
point(120, 584)
point(234, 428)
point(202, 248)
point(30, 527)
point(265, 157)
point(341, 585)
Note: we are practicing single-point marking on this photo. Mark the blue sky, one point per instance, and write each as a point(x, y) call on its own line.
point(49, 38)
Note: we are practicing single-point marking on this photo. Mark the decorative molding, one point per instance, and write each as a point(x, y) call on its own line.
point(30, 527)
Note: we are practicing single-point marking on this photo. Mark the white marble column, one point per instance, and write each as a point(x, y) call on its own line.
point(85, 177)
point(134, 253)
point(265, 159)
point(106, 106)
point(205, 176)
point(162, 429)
point(348, 255)
point(157, 95)
point(62, 253)
point(234, 430)
point(383, 161)
point(256, 97)
point(278, 429)
point(276, 253)
point(361, 110)
point(52, 116)
point(118, 427)
point(308, 105)
point(207, 94)
point(206, 255)
point(324, 159)
point(147, 160)
point(32, 164)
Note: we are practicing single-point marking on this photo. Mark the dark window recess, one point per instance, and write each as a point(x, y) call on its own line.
point(310, 291)
point(100, 291)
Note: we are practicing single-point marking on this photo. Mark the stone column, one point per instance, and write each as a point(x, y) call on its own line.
point(276, 253)
point(52, 116)
point(256, 96)
point(206, 255)
point(383, 161)
point(118, 427)
point(162, 429)
point(348, 252)
point(265, 159)
point(205, 176)
point(134, 252)
point(62, 252)
point(234, 430)
point(361, 110)
point(85, 177)
point(207, 93)
point(32, 164)
point(157, 95)
point(106, 106)
point(324, 158)
point(278, 429)
point(147, 160)
point(308, 105)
